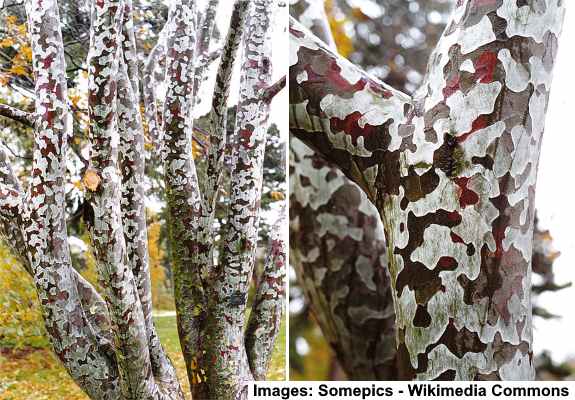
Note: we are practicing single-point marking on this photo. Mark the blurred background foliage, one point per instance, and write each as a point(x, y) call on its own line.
point(392, 40)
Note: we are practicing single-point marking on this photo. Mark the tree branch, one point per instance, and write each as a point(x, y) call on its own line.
point(183, 196)
point(274, 89)
point(17, 115)
point(208, 22)
point(232, 278)
point(348, 117)
point(135, 230)
point(76, 344)
point(266, 316)
point(105, 197)
point(218, 113)
point(149, 84)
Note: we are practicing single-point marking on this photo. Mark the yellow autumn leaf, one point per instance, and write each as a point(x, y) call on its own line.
point(276, 196)
point(91, 179)
point(18, 70)
point(7, 42)
point(26, 52)
point(11, 20)
point(337, 26)
point(77, 184)
point(22, 29)
point(196, 149)
point(75, 99)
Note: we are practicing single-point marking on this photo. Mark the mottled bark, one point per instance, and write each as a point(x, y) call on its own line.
point(452, 172)
point(107, 232)
point(17, 115)
point(110, 347)
point(73, 337)
point(149, 82)
point(265, 318)
point(338, 250)
point(231, 279)
point(207, 24)
point(182, 192)
point(219, 111)
point(135, 230)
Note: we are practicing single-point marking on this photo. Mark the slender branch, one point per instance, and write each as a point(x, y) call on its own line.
point(218, 117)
point(324, 110)
point(203, 46)
point(274, 89)
point(149, 84)
point(21, 116)
point(11, 202)
point(265, 318)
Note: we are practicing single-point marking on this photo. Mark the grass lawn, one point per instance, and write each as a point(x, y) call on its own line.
point(37, 375)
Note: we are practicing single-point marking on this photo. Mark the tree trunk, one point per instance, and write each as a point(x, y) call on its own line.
point(452, 171)
point(110, 346)
point(338, 249)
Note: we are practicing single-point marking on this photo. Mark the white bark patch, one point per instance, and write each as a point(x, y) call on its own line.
point(476, 36)
point(467, 66)
point(527, 21)
point(516, 75)
point(464, 109)
point(376, 110)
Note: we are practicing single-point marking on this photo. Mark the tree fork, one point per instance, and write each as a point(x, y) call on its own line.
point(454, 165)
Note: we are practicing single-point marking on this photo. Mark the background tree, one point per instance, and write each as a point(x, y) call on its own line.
point(109, 344)
point(313, 198)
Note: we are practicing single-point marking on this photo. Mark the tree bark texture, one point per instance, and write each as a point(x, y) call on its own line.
point(452, 172)
point(109, 345)
point(212, 296)
point(337, 247)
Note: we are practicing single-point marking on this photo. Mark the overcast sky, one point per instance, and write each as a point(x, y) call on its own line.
point(556, 198)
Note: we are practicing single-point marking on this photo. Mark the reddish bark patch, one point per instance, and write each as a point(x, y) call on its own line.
point(295, 32)
point(245, 136)
point(456, 238)
point(452, 86)
point(467, 197)
point(350, 125)
point(331, 74)
point(479, 123)
point(485, 67)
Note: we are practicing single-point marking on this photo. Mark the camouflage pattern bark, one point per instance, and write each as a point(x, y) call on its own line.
point(110, 347)
point(182, 190)
point(452, 172)
point(338, 249)
point(231, 278)
point(135, 230)
point(84, 353)
point(126, 314)
point(219, 111)
point(265, 318)
point(207, 24)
